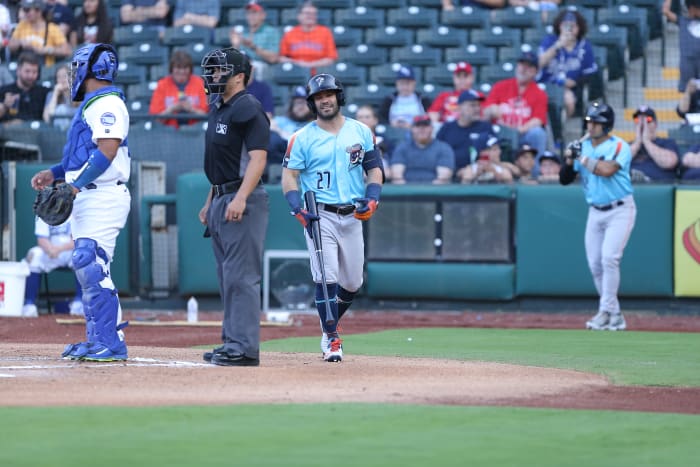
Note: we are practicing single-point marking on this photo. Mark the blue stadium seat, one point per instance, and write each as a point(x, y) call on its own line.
point(288, 74)
point(288, 17)
point(441, 75)
point(181, 35)
point(467, 17)
point(197, 50)
point(360, 17)
point(130, 73)
point(685, 136)
point(442, 37)
point(348, 73)
point(385, 74)
point(500, 71)
point(334, 4)
point(517, 17)
point(382, 4)
point(140, 91)
point(496, 36)
point(346, 36)
point(134, 34)
point(634, 20)
point(614, 39)
point(417, 55)
point(431, 90)
point(412, 17)
point(144, 53)
point(389, 36)
point(654, 16)
point(476, 55)
point(236, 16)
point(594, 5)
point(369, 94)
point(363, 55)
point(221, 36)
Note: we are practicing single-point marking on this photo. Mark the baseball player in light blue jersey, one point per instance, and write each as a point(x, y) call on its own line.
point(603, 161)
point(332, 156)
point(96, 165)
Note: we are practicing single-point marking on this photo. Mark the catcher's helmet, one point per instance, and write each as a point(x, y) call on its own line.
point(97, 61)
point(220, 64)
point(323, 82)
point(600, 112)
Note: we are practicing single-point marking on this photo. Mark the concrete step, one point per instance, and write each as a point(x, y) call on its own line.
point(662, 94)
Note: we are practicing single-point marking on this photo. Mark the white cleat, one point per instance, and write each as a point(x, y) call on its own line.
point(30, 311)
point(334, 352)
point(599, 322)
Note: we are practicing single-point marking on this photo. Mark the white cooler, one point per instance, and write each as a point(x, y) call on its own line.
point(12, 278)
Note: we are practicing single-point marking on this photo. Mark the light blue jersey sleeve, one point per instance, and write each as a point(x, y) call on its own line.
point(330, 164)
point(604, 190)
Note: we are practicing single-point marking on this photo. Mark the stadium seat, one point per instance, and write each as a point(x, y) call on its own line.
point(385, 74)
point(348, 73)
point(156, 72)
point(431, 90)
point(654, 16)
point(467, 17)
point(236, 16)
point(389, 36)
point(334, 4)
point(555, 109)
point(594, 5)
point(634, 20)
point(587, 13)
point(496, 36)
point(359, 17)
point(614, 39)
point(517, 17)
point(288, 74)
point(416, 55)
point(130, 73)
point(141, 91)
point(182, 35)
point(197, 50)
point(442, 37)
point(534, 36)
point(441, 75)
point(512, 55)
point(288, 17)
point(345, 37)
point(476, 55)
point(685, 136)
point(144, 53)
point(382, 4)
point(134, 34)
point(221, 36)
point(497, 72)
point(137, 106)
point(363, 55)
point(279, 4)
point(369, 94)
point(412, 17)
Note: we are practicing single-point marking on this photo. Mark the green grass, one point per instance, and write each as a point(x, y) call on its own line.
point(627, 358)
point(344, 434)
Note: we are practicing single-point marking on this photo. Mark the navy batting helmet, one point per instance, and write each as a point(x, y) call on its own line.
point(220, 64)
point(600, 112)
point(323, 82)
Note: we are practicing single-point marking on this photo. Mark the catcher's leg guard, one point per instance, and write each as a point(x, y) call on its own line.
point(100, 301)
point(321, 306)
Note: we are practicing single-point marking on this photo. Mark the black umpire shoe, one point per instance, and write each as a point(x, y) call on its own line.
point(224, 358)
point(208, 355)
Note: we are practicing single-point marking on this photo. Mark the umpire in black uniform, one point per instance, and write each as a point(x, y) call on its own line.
point(236, 210)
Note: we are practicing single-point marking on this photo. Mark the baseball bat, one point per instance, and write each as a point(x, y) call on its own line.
point(310, 200)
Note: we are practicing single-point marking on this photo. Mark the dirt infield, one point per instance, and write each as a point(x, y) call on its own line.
point(164, 370)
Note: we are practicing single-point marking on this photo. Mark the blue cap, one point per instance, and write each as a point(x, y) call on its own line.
point(405, 72)
point(470, 95)
point(485, 141)
point(529, 58)
point(549, 155)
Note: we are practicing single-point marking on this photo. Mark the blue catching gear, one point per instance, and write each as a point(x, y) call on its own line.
point(101, 306)
point(97, 61)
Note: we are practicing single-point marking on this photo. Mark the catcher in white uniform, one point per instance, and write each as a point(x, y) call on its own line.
point(54, 250)
point(96, 168)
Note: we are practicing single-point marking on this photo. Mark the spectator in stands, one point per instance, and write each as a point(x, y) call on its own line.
point(262, 92)
point(181, 92)
point(149, 13)
point(5, 24)
point(654, 158)
point(687, 15)
point(525, 162)
point(488, 167)
point(93, 24)
point(549, 167)
point(368, 115)
point(399, 108)
point(462, 134)
point(520, 104)
point(308, 44)
point(298, 114)
point(690, 163)
point(54, 249)
point(35, 34)
point(448, 5)
point(690, 99)
point(566, 57)
point(257, 39)
point(445, 108)
point(60, 14)
point(60, 108)
point(422, 159)
point(24, 99)
point(203, 13)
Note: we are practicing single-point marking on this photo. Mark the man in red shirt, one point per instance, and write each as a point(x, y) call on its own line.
point(445, 107)
point(520, 104)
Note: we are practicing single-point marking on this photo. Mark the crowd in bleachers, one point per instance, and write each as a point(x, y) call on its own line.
point(532, 66)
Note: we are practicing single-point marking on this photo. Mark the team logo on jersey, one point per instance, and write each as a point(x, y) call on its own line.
point(108, 119)
point(221, 128)
point(356, 153)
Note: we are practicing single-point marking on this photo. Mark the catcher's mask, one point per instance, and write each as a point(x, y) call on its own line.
point(97, 61)
point(220, 64)
point(323, 82)
point(600, 112)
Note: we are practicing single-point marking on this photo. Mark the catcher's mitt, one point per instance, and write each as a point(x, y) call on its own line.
point(54, 204)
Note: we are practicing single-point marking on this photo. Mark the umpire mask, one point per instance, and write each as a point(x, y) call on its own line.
point(220, 64)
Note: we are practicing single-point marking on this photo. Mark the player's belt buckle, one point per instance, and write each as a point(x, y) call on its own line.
point(225, 188)
point(608, 207)
point(342, 210)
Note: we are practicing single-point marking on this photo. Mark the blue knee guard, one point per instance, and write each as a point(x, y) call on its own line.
point(321, 306)
point(101, 304)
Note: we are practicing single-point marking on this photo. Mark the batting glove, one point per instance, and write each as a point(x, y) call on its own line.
point(365, 208)
point(305, 218)
point(573, 150)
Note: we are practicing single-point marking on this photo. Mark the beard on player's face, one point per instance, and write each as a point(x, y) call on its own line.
point(328, 110)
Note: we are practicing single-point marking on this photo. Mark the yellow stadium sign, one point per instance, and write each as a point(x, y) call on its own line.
point(686, 243)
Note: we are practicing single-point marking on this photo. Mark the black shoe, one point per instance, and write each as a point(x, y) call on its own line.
point(224, 358)
point(208, 355)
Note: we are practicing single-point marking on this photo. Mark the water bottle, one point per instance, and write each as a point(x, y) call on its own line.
point(192, 310)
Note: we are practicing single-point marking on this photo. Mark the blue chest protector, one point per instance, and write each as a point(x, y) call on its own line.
point(79, 145)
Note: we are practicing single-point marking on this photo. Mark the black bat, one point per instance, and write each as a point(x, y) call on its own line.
point(310, 200)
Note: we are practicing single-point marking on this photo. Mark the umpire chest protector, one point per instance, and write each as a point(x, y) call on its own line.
point(235, 127)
